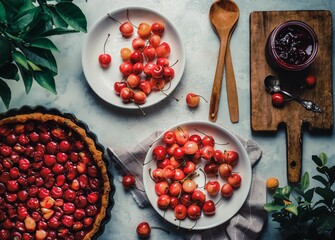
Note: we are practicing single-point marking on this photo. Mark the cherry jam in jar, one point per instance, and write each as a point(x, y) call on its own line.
point(291, 46)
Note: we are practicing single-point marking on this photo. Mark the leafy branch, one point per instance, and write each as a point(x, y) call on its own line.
point(303, 212)
point(26, 51)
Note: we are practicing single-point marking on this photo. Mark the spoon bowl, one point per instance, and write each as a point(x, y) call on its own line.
point(272, 85)
point(223, 15)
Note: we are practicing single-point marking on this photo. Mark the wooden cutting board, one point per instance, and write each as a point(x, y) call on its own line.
point(295, 118)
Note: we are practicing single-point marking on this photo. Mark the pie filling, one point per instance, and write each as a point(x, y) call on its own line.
point(53, 181)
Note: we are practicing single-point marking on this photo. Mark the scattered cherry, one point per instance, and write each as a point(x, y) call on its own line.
point(310, 80)
point(193, 100)
point(143, 229)
point(277, 99)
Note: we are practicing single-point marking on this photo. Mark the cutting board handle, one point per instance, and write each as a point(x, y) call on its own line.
point(294, 151)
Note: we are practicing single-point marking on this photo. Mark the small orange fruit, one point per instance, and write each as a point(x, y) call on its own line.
point(272, 183)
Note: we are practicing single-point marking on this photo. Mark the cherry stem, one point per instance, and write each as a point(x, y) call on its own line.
point(163, 229)
point(196, 221)
point(166, 93)
point(210, 137)
point(218, 201)
point(205, 177)
point(178, 224)
point(106, 43)
point(203, 98)
point(147, 162)
point(141, 109)
point(151, 175)
point(115, 20)
point(174, 63)
point(191, 175)
point(129, 19)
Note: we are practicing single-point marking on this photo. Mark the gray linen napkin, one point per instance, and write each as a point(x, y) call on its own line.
point(247, 224)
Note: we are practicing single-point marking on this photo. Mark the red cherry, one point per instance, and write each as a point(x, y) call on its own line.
point(157, 28)
point(163, 50)
point(128, 181)
point(310, 80)
point(105, 59)
point(277, 99)
point(159, 153)
point(126, 29)
point(180, 212)
point(231, 157)
point(234, 180)
point(209, 208)
point(194, 212)
point(212, 188)
point(226, 190)
point(143, 230)
point(118, 87)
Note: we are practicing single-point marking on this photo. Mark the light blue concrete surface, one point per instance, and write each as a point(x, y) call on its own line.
point(117, 128)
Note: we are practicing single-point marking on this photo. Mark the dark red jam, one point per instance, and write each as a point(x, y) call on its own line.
point(294, 45)
point(291, 46)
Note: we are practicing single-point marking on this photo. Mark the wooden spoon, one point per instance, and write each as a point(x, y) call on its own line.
point(223, 15)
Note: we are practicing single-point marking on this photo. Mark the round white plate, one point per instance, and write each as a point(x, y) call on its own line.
point(102, 80)
point(226, 208)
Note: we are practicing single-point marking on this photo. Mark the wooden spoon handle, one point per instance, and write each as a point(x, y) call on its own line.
point(216, 90)
point(231, 87)
point(294, 151)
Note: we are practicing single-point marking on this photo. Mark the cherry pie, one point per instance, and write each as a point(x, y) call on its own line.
point(53, 180)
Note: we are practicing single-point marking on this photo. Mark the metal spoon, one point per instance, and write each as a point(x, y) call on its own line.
point(272, 85)
point(223, 15)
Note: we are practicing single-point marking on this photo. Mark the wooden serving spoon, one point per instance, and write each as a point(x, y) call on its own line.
point(223, 15)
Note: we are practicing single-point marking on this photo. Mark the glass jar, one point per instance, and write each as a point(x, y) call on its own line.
point(291, 46)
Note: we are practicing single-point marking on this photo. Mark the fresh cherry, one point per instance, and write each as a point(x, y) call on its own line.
point(105, 59)
point(277, 99)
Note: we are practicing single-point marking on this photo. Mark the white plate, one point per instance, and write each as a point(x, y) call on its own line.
point(102, 80)
point(226, 208)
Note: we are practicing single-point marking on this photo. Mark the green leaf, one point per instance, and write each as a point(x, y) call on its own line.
point(270, 207)
point(322, 169)
point(321, 180)
point(280, 196)
point(324, 158)
point(56, 18)
point(41, 24)
point(20, 59)
point(44, 43)
point(17, 40)
point(2, 13)
point(308, 195)
point(26, 6)
point(305, 181)
point(5, 50)
point(9, 71)
point(34, 66)
point(285, 191)
point(331, 175)
point(27, 78)
point(5, 93)
point(46, 80)
point(317, 160)
point(72, 15)
point(57, 31)
point(41, 57)
point(24, 19)
point(292, 209)
point(327, 194)
point(11, 8)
